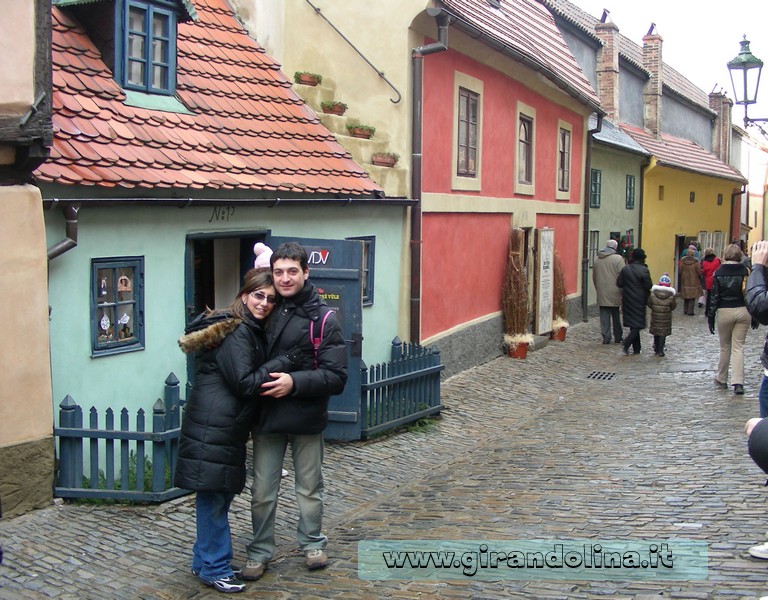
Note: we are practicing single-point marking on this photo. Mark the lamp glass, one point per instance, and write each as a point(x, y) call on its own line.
point(745, 72)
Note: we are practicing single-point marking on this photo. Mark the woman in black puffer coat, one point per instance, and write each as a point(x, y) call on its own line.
point(222, 408)
point(635, 283)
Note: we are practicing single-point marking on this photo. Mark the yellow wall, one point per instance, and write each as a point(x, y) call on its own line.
point(675, 214)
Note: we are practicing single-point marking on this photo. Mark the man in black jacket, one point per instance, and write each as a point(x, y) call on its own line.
point(635, 283)
point(294, 410)
point(756, 296)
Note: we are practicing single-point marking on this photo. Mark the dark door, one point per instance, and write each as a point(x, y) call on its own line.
point(335, 267)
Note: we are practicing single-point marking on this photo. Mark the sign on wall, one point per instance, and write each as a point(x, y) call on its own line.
point(545, 250)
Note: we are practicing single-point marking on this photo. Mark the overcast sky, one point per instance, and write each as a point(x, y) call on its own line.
point(699, 38)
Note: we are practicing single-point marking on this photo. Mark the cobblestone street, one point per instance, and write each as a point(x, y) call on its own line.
point(525, 449)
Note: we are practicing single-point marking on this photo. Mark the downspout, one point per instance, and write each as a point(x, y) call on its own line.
point(418, 54)
point(585, 232)
point(734, 195)
point(69, 242)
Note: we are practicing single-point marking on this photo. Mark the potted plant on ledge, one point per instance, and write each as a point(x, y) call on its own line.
point(307, 78)
point(385, 159)
point(559, 301)
point(361, 131)
point(514, 301)
point(333, 107)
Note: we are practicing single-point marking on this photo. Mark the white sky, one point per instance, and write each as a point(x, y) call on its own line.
point(700, 37)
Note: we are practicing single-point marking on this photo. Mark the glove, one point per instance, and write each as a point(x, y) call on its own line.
point(755, 324)
point(711, 323)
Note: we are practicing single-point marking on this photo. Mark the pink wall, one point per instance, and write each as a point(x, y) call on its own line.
point(499, 105)
point(464, 254)
point(463, 260)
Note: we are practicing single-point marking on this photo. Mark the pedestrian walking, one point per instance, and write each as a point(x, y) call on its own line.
point(635, 283)
point(605, 271)
point(756, 296)
point(294, 411)
point(231, 349)
point(662, 303)
point(709, 264)
point(728, 310)
point(690, 281)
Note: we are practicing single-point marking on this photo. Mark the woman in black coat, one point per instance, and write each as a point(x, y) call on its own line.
point(635, 283)
point(222, 407)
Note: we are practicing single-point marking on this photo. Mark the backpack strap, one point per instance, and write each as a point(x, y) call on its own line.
point(315, 341)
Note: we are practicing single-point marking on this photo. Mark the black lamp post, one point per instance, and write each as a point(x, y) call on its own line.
point(745, 72)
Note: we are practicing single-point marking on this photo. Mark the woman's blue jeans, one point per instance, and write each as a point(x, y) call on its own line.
point(212, 552)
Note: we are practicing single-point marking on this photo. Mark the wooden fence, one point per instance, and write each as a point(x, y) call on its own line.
point(402, 390)
point(138, 464)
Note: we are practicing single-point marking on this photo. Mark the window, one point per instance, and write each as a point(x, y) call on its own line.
point(661, 193)
point(630, 192)
point(595, 188)
point(594, 243)
point(466, 164)
point(117, 305)
point(149, 47)
point(369, 252)
point(466, 168)
point(719, 199)
point(564, 161)
point(525, 150)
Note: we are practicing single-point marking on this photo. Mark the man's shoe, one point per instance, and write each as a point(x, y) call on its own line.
point(226, 585)
point(236, 571)
point(759, 551)
point(738, 389)
point(253, 570)
point(662, 353)
point(316, 559)
point(719, 383)
point(620, 341)
point(606, 341)
point(625, 351)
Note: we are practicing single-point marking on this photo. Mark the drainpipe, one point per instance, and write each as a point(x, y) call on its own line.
point(585, 232)
point(418, 54)
point(59, 248)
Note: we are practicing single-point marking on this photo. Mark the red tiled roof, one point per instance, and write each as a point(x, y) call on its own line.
point(528, 30)
point(682, 154)
point(249, 129)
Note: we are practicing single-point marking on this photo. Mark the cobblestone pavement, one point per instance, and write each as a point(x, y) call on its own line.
point(525, 449)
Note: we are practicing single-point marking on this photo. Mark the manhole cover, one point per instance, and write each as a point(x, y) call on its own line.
point(601, 375)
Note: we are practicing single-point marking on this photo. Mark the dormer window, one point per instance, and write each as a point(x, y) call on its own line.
point(137, 41)
point(149, 47)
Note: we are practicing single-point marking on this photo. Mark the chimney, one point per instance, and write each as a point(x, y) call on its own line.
point(608, 66)
point(652, 91)
point(721, 132)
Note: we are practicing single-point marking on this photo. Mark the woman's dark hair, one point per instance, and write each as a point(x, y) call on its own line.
point(638, 255)
point(254, 280)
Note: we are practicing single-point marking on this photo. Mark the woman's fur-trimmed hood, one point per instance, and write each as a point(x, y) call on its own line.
point(207, 331)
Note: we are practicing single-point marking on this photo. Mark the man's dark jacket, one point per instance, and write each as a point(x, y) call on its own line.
point(305, 409)
point(635, 283)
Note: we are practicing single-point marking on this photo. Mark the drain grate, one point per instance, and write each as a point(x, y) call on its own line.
point(602, 375)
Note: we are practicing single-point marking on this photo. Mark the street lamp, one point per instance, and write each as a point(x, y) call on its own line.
point(745, 72)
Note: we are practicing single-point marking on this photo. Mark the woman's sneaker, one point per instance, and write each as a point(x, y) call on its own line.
point(226, 585)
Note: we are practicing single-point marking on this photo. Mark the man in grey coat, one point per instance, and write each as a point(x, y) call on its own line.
point(606, 269)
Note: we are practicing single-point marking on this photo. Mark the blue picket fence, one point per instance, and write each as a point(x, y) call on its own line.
point(138, 464)
point(403, 390)
point(128, 462)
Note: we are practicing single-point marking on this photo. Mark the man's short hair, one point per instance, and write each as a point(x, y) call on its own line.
point(290, 251)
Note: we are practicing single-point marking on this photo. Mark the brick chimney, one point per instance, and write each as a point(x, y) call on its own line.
point(608, 66)
point(652, 91)
point(721, 132)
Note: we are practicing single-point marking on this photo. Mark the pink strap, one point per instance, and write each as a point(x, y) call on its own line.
point(316, 341)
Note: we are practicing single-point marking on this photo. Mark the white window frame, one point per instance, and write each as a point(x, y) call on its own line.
point(528, 189)
point(470, 184)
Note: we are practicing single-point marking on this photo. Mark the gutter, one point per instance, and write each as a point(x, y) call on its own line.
point(70, 241)
point(443, 19)
point(585, 226)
